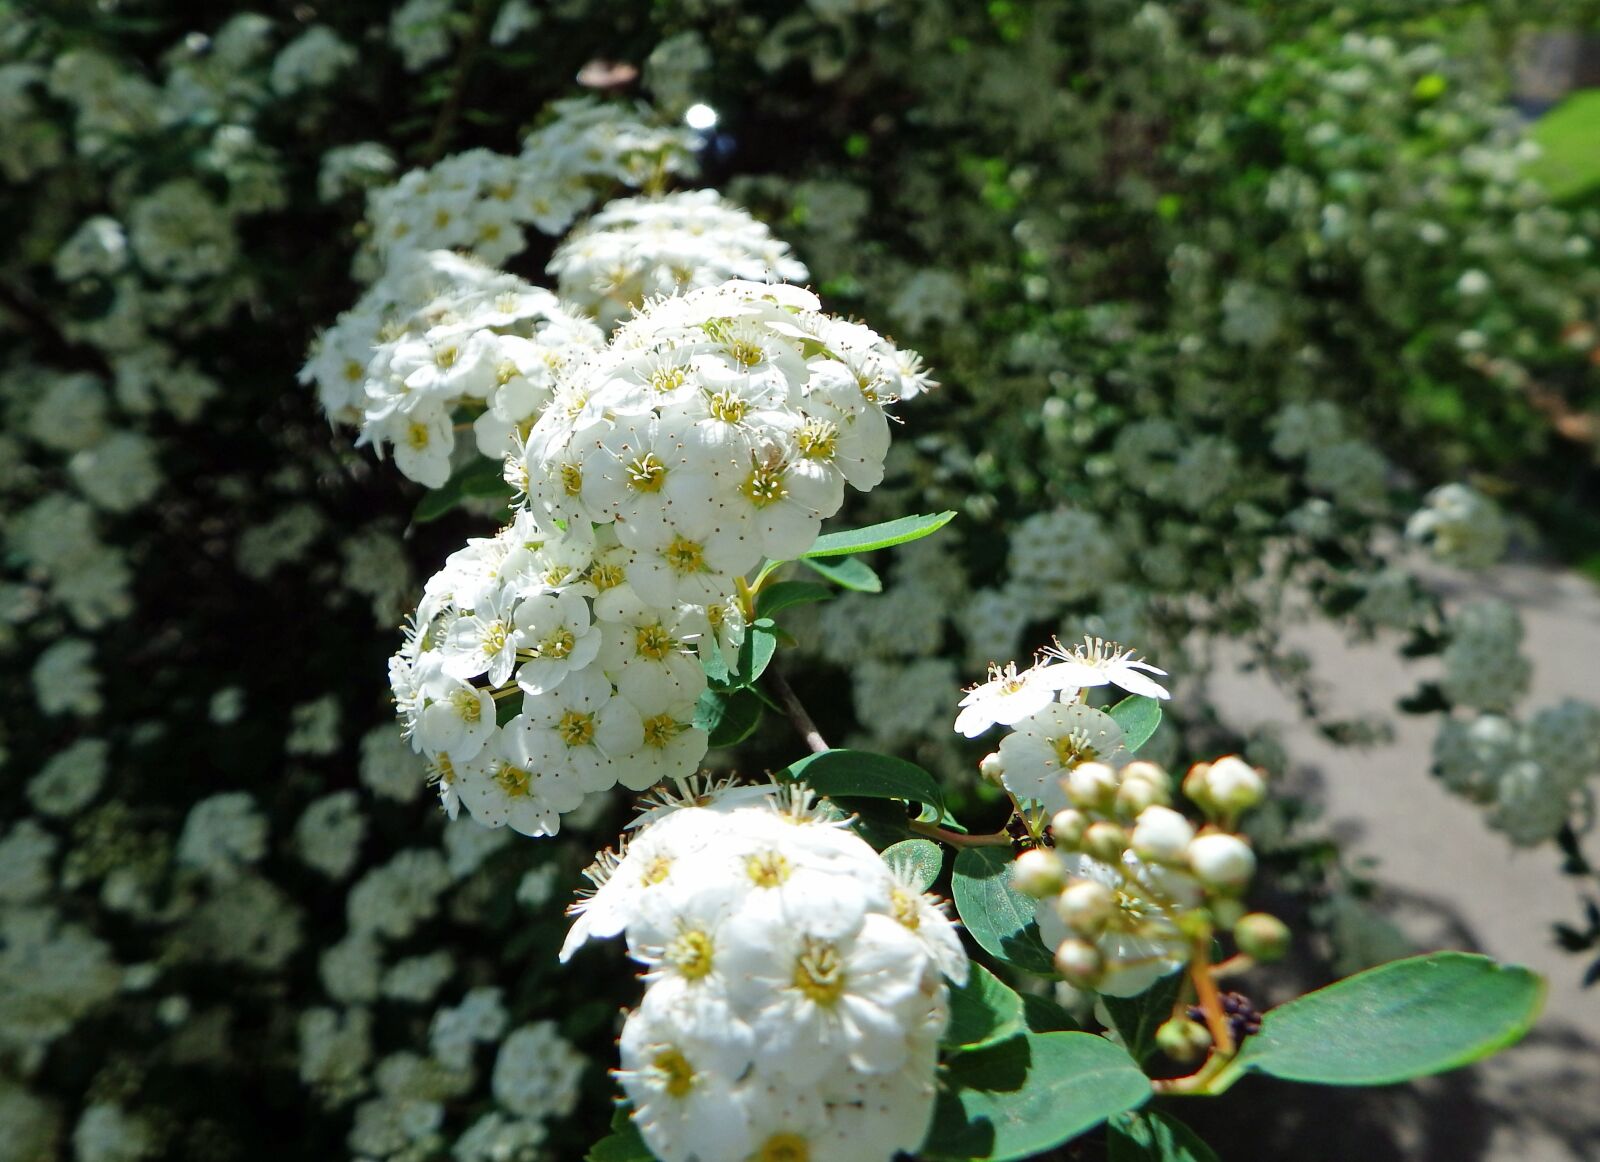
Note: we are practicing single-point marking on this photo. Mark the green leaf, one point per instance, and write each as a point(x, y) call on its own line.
point(1045, 1016)
point(999, 917)
point(727, 716)
point(756, 651)
point(847, 573)
point(782, 594)
point(623, 1144)
point(865, 775)
point(476, 479)
point(1401, 1020)
point(894, 532)
point(1154, 1136)
point(983, 1012)
point(1030, 1094)
point(1137, 1018)
point(923, 858)
point(1138, 717)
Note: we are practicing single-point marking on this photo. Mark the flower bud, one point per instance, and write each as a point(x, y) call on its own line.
point(1197, 787)
point(1037, 873)
point(1085, 906)
point(1068, 827)
point(1090, 785)
point(1106, 842)
point(1135, 795)
point(989, 767)
point(1162, 835)
point(1183, 1040)
point(1079, 963)
point(1234, 785)
point(1222, 861)
point(1263, 937)
point(1145, 771)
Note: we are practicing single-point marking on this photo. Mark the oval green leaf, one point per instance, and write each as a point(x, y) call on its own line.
point(1030, 1094)
point(1138, 717)
point(865, 775)
point(1154, 1136)
point(920, 860)
point(880, 536)
point(847, 573)
point(783, 594)
point(727, 716)
point(983, 1012)
point(1401, 1020)
point(999, 917)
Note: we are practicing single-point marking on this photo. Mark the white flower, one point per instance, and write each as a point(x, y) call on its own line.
point(1140, 945)
point(557, 628)
point(681, 1102)
point(459, 718)
point(583, 729)
point(506, 785)
point(1050, 744)
point(1098, 663)
point(822, 1000)
point(1008, 696)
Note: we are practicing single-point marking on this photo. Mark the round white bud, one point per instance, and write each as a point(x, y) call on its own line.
point(1068, 827)
point(1145, 771)
point(1162, 835)
point(1091, 785)
point(989, 767)
point(1085, 906)
point(1234, 785)
point(1037, 873)
point(1106, 842)
point(1222, 861)
point(1079, 963)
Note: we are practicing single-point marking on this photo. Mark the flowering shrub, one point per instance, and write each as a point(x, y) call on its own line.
point(227, 905)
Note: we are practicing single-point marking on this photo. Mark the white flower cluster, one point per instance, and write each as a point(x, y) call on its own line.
point(714, 428)
point(1483, 664)
point(1128, 876)
point(543, 619)
point(1530, 775)
point(479, 200)
point(795, 983)
point(438, 333)
point(1461, 526)
point(638, 249)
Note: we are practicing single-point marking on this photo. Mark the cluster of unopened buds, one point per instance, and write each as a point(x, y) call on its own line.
point(796, 983)
point(1129, 889)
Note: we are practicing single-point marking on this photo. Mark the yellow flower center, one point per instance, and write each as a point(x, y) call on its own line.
point(514, 781)
point(1073, 748)
point(746, 353)
point(818, 439)
point(764, 486)
point(558, 645)
point(676, 1072)
point(727, 407)
point(665, 379)
point(467, 705)
point(903, 906)
point(606, 576)
point(418, 435)
point(659, 868)
point(571, 479)
point(767, 869)
point(784, 1148)
point(646, 473)
point(690, 953)
point(819, 972)
point(576, 728)
point(660, 729)
point(684, 556)
point(653, 642)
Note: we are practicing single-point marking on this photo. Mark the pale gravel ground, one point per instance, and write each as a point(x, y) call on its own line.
point(1461, 884)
